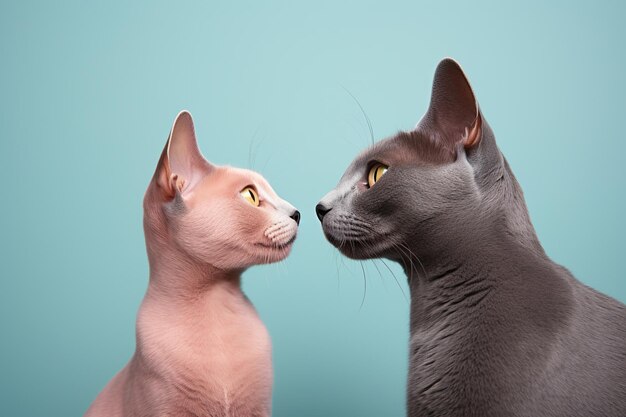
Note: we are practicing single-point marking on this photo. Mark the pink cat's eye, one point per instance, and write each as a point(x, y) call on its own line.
point(250, 195)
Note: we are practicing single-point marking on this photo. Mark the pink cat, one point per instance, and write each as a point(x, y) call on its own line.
point(201, 348)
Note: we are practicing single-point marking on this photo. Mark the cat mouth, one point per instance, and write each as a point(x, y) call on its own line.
point(357, 244)
point(353, 248)
point(278, 246)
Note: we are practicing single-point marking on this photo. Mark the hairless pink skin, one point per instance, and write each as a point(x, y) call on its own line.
point(201, 348)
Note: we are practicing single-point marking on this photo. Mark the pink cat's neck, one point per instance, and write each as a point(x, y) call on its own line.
point(175, 279)
point(187, 298)
point(196, 329)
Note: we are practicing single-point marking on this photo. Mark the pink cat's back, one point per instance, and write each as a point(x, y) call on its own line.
point(108, 402)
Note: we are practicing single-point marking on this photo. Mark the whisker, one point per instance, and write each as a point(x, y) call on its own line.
point(250, 150)
point(365, 285)
point(266, 162)
point(417, 258)
point(395, 279)
point(378, 270)
point(337, 267)
point(402, 256)
point(367, 119)
point(357, 228)
point(348, 140)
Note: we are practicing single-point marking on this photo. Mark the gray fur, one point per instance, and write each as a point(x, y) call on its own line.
point(497, 328)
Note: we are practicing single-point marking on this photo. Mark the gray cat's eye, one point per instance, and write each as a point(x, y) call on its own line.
point(375, 173)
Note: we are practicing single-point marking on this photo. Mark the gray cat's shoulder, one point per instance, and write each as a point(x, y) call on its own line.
point(586, 367)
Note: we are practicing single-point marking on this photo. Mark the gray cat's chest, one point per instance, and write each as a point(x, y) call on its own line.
point(452, 372)
point(562, 355)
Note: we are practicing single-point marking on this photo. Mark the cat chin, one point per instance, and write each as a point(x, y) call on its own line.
point(269, 253)
point(354, 249)
point(359, 254)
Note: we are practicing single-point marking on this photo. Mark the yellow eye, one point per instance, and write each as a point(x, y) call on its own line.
point(250, 196)
point(375, 173)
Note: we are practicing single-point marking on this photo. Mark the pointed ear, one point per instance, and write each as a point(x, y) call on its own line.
point(453, 115)
point(182, 165)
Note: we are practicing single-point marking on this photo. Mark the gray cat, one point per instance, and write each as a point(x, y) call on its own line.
point(497, 328)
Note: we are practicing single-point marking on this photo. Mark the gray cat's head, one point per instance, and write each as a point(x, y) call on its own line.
point(426, 185)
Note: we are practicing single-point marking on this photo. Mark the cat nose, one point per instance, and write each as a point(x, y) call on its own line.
point(321, 211)
point(296, 216)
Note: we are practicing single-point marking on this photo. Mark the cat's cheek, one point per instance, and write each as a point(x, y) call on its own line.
point(205, 235)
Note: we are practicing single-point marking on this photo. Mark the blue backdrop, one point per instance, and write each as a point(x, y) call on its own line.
point(88, 93)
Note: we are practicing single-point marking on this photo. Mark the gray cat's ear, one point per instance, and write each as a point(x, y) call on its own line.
point(182, 165)
point(453, 115)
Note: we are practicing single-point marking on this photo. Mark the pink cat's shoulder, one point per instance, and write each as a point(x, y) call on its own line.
point(109, 401)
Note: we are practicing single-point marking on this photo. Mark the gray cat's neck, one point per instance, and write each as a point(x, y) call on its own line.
point(483, 273)
point(476, 314)
point(502, 196)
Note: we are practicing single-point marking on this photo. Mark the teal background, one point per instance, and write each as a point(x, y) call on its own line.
point(88, 92)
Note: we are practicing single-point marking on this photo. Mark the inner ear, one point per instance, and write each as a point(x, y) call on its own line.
point(182, 165)
point(453, 115)
point(473, 133)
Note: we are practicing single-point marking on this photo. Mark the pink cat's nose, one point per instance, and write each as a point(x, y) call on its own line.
point(296, 216)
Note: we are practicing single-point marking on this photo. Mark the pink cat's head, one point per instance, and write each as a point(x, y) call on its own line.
point(226, 217)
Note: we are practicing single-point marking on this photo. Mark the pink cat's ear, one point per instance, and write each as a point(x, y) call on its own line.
point(453, 115)
point(182, 165)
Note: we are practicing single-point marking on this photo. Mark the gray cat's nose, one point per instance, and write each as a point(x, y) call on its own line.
point(321, 211)
point(296, 216)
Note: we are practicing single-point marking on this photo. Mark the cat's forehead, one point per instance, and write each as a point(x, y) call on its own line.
point(244, 177)
point(389, 148)
point(404, 147)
